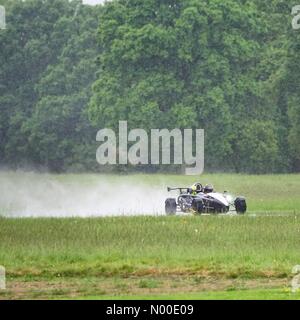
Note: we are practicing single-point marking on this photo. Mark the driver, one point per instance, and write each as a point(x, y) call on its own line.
point(208, 188)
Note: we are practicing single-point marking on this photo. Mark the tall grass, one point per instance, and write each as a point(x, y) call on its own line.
point(230, 246)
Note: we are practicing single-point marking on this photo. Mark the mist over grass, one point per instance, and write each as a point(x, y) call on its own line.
point(30, 194)
point(45, 195)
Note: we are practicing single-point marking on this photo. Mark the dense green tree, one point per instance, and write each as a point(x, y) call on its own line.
point(48, 53)
point(27, 48)
point(59, 124)
point(292, 102)
point(230, 67)
point(188, 64)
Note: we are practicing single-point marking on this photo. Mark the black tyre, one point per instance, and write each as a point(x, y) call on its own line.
point(198, 206)
point(240, 205)
point(170, 207)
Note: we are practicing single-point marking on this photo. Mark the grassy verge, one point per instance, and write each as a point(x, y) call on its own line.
point(264, 294)
point(146, 287)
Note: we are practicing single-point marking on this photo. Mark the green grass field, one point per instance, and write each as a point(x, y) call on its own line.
point(206, 257)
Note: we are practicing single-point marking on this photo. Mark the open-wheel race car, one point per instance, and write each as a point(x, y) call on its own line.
point(198, 200)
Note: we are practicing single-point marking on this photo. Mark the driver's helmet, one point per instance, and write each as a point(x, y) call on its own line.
point(208, 188)
point(194, 190)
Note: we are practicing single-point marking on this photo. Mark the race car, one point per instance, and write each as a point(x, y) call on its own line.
point(198, 200)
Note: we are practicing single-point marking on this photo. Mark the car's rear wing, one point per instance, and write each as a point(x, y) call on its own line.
point(180, 189)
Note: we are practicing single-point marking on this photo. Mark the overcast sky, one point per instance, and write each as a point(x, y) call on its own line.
point(93, 2)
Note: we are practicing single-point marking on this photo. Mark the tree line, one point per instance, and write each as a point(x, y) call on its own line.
point(228, 67)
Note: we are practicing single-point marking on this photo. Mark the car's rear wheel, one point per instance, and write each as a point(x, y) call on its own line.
point(170, 207)
point(198, 206)
point(240, 205)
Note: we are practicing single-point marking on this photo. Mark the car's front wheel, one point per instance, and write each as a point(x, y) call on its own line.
point(240, 205)
point(170, 207)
